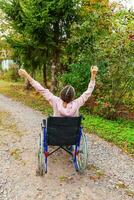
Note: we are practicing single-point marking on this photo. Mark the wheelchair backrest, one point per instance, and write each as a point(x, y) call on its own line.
point(63, 130)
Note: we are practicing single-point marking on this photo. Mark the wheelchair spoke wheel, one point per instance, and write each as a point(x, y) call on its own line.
point(40, 170)
point(82, 157)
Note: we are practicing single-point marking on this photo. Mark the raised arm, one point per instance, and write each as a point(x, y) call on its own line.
point(45, 92)
point(84, 97)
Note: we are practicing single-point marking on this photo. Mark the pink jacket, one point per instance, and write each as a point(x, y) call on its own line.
point(72, 108)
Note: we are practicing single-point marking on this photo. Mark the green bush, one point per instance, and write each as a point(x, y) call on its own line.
point(78, 76)
point(112, 51)
point(11, 74)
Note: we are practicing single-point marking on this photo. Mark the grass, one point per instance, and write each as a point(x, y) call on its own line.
point(30, 98)
point(120, 132)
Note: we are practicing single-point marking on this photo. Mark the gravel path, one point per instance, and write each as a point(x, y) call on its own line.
point(109, 176)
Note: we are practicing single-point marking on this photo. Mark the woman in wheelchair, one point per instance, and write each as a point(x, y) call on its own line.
point(65, 105)
point(65, 120)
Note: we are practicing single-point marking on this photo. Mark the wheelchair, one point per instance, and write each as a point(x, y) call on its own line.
point(63, 133)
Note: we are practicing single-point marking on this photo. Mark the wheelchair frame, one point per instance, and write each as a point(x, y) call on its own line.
point(79, 151)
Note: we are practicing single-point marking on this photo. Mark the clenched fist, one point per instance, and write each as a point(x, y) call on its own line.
point(94, 70)
point(22, 72)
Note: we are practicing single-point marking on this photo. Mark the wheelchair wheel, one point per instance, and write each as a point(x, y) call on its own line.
point(82, 156)
point(40, 170)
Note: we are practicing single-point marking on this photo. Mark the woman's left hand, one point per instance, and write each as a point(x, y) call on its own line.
point(94, 70)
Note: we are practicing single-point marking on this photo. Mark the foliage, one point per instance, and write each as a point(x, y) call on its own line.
point(73, 35)
point(11, 74)
point(40, 29)
point(5, 50)
point(103, 38)
point(119, 132)
point(85, 43)
point(77, 76)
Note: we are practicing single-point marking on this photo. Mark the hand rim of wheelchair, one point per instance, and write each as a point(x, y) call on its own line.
point(80, 163)
point(40, 171)
point(81, 160)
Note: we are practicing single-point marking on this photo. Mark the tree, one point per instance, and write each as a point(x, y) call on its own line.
point(44, 24)
point(86, 41)
point(103, 38)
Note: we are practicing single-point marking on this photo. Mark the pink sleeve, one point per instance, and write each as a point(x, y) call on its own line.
point(84, 97)
point(45, 92)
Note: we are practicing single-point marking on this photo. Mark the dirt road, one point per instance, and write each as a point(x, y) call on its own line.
point(109, 176)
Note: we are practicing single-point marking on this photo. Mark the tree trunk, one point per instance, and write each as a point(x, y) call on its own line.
point(56, 53)
point(53, 78)
point(45, 74)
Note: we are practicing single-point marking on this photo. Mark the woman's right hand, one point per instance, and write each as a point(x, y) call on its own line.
point(22, 72)
point(94, 70)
